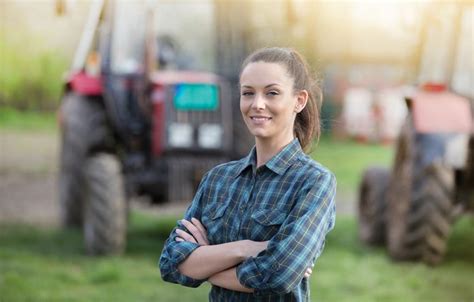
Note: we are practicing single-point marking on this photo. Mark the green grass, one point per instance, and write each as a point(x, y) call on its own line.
point(350, 271)
point(348, 159)
point(13, 119)
point(49, 265)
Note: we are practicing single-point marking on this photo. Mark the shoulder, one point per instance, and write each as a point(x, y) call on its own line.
point(313, 171)
point(225, 169)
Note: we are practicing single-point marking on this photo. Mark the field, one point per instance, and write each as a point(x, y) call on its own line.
point(49, 264)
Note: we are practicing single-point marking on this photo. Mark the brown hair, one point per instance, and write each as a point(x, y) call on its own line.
point(307, 123)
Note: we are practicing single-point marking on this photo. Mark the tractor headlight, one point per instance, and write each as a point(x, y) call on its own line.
point(180, 135)
point(210, 136)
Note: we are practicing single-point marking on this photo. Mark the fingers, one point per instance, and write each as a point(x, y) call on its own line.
point(184, 236)
point(196, 232)
point(308, 272)
point(199, 225)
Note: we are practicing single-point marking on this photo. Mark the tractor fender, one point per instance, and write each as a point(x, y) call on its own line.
point(83, 84)
point(440, 112)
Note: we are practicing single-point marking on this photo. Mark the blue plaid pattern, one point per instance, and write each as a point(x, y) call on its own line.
point(289, 201)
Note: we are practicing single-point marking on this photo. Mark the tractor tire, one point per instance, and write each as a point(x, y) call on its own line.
point(84, 127)
point(427, 222)
point(372, 205)
point(399, 191)
point(420, 205)
point(105, 207)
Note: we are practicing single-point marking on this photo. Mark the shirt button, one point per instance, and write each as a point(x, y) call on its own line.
point(275, 266)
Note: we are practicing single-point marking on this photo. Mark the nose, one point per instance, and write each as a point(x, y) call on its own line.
point(258, 102)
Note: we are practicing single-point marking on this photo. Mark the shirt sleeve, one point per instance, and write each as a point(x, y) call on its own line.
point(300, 240)
point(174, 252)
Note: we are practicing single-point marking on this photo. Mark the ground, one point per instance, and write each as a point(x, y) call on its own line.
point(28, 168)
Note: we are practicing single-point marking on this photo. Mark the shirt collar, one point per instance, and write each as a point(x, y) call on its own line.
point(278, 163)
point(249, 160)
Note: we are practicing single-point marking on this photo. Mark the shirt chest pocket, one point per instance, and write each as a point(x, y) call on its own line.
point(266, 223)
point(215, 220)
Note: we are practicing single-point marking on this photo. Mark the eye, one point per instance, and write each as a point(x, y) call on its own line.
point(247, 93)
point(272, 93)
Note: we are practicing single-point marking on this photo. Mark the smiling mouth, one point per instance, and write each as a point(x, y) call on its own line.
point(260, 118)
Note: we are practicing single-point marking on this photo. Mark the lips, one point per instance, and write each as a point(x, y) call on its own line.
point(260, 118)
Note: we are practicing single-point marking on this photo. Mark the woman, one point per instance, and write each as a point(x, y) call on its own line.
point(256, 226)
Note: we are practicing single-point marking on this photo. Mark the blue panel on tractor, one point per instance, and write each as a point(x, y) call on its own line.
point(196, 97)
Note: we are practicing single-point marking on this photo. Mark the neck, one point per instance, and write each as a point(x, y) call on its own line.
point(267, 148)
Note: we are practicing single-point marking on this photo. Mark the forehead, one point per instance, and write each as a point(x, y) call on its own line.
point(261, 74)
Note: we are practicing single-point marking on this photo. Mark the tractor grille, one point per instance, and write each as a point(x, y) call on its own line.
point(193, 117)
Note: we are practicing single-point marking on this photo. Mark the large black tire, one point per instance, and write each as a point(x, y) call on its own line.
point(105, 207)
point(420, 202)
point(84, 128)
point(372, 205)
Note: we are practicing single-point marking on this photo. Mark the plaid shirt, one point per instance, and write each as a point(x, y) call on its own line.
point(289, 201)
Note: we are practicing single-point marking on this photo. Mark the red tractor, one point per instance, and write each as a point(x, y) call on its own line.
point(412, 206)
point(128, 129)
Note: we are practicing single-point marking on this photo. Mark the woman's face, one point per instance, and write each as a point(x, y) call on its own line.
point(267, 101)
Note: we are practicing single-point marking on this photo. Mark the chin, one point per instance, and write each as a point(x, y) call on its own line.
point(259, 134)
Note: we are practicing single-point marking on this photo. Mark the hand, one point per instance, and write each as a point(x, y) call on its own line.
point(198, 233)
point(309, 271)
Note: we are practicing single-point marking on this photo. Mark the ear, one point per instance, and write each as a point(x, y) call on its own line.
point(301, 100)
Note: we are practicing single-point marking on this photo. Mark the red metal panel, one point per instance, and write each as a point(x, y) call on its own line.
point(174, 77)
point(84, 84)
point(441, 112)
point(158, 119)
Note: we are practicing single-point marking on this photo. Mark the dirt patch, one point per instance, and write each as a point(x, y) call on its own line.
point(24, 152)
point(29, 198)
point(28, 167)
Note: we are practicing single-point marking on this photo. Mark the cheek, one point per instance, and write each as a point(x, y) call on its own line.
point(243, 107)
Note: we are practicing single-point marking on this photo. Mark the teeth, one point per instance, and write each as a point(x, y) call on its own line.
point(260, 118)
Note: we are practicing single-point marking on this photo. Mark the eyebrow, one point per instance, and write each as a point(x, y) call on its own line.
point(269, 85)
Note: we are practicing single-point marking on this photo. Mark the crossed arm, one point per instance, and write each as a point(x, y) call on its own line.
point(217, 262)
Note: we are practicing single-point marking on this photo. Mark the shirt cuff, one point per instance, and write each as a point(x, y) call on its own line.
point(169, 265)
point(249, 275)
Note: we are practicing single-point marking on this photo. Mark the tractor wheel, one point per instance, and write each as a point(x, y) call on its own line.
point(84, 128)
point(428, 219)
point(105, 207)
point(420, 202)
point(372, 205)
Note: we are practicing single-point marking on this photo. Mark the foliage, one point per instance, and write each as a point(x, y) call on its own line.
point(49, 265)
point(28, 79)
